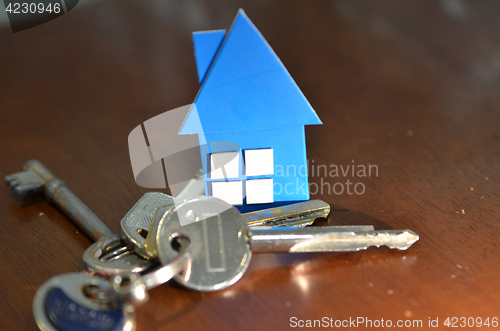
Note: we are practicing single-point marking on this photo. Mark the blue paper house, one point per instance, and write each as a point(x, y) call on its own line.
point(249, 115)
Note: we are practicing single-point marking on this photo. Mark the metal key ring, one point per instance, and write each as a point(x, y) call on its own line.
point(126, 261)
point(132, 288)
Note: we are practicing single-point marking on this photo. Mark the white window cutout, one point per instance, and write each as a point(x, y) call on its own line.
point(259, 191)
point(231, 192)
point(224, 165)
point(259, 162)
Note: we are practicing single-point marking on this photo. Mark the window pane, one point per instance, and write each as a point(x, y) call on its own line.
point(231, 192)
point(259, 191)
point(259, 162)
point(224, 165)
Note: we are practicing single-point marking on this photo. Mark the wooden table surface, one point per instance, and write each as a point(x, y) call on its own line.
point(412, 88)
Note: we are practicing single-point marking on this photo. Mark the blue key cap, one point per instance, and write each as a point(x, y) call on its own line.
point(61, 304)
point(66, 314)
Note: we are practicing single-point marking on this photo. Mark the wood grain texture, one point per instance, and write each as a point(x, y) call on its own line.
point(411, 87)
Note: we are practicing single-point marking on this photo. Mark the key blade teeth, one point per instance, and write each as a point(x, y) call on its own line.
point(24, 183)
point(351, 241)
point(8, 179)
point(28, 189)
point(315, 247)
point(13, 180)
point(330, 242)
point(403, 240)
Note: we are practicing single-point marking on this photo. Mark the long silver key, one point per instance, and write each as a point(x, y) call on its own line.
point(296, 215)
point(37, 179)
point(327, 239)
point(222, 242)
point(135, 225)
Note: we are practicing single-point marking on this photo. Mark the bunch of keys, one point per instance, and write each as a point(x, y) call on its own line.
point(211, 253)
point(222, 241)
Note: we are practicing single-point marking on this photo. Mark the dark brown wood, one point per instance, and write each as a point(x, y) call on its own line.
point(411, 87)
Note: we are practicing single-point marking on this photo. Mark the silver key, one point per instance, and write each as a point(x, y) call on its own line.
point(84, 302)
point(296, 215)
point(222, 242)
point(38, 179)
point(327, 239)
point(64, 303)
point(135, 226)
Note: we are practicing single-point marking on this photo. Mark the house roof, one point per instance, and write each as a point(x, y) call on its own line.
point(244, 85)
point(206, 45)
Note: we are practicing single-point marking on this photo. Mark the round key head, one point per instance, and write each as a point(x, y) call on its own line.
point(109, 256)
point(219, 242)
point(65, 303)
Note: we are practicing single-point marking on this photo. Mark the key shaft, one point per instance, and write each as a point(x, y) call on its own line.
point(297, 215)
point(327, 239)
